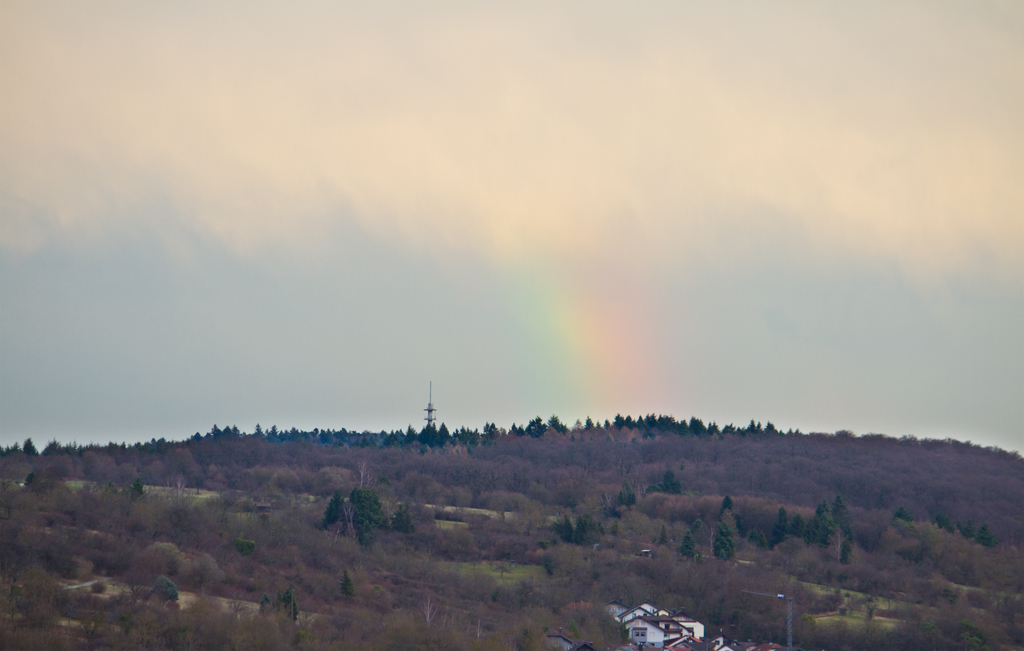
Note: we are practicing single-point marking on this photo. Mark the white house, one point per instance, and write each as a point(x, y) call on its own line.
point(646, 633)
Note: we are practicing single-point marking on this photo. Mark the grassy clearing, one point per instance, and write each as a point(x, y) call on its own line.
point(195, 493)
point(465, 510)
point(859, 620)
point(451, 524)
point(502, 572)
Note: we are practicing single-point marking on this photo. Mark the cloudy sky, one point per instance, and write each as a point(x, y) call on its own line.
point(235, 213)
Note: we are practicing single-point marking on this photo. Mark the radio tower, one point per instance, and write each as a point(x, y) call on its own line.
point(430, 407)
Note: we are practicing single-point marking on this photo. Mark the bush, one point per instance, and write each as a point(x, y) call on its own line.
point(165, 589)
point(245, 547)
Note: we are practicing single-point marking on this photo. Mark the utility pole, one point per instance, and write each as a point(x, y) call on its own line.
point(789, 613)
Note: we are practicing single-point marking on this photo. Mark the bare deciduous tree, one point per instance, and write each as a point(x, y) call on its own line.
point(429, 609)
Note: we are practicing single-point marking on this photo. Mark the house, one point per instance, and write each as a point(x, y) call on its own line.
point(584, 646)
point(645, 609)
point(695, 627)
point(615, 608)
point(558, 640)
point(642, 632)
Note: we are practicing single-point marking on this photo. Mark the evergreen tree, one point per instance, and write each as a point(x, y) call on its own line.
point(671, 485)
point(401, 520)
point(29, 448)
point(165, 589)
point(333, 511)
point(985, 537)
point(368, 513)
point(589, 424)
point(289, 603)
point(966, 530)
point(902, 515)
point(688, 547)
point(845, 551)
point(726, 505)
point(347, 587)
point(587, 530)
point(564, 529)
point(724, 546)
point(796, 526)
point(663, 536)
point(536, 427)
point(555, 424)
point(841, 516)
point(136, 491)
point(626, 497)
point(780, 527)
point(265, 601)
point(943, 522)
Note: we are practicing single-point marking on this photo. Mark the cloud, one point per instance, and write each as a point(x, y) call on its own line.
point(889, 133)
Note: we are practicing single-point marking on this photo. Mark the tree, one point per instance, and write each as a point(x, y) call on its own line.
point(724, 546)
point(779, 528)
point(841, 516)
point(796, 526)
point(564, 529)
point(136, 491)
point(966, 530)
point(726, 505)
point(627, 496)
point(671, 485)
point(401, 520)
point(288, 602)
point(29, 448)
point(902, 515)
point(985, 537)
point(245, 547)
point(165, 589)
point(557, 425)
point(663, 536)
point(688, 547)
point(536, 428)
point(943, 522)
point(333, 511)
point(587, 530)
point(369, 514)
point(347, 587)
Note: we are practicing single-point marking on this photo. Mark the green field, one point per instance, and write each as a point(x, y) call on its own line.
point(507, 577)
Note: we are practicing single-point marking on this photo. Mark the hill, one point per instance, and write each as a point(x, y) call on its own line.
point(477, 540)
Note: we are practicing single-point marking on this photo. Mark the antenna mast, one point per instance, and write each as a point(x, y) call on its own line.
point(430, 407)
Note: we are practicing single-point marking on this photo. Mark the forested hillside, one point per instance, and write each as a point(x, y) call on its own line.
point(479, 540)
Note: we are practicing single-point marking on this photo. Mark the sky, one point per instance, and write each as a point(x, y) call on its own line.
point(302, 215)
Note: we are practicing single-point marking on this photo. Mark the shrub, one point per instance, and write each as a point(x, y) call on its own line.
point(245, 547)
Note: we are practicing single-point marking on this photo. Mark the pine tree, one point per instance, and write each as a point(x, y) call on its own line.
point(136, 491)
point(841, 516)
point(333, 511)
point(780, 528)
point(724, 546)
point(166, 589)
point(902, 515)
point(688, 546)
point(369, 514)
point(845, 551)
point(401, 521)
point(29, 448)
point(966, 530)
point(347, 587)
point(663, 537)
point(564, 529)
point(726, 505)
point(626, 496)
point(985, 537)
point(671, 485)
